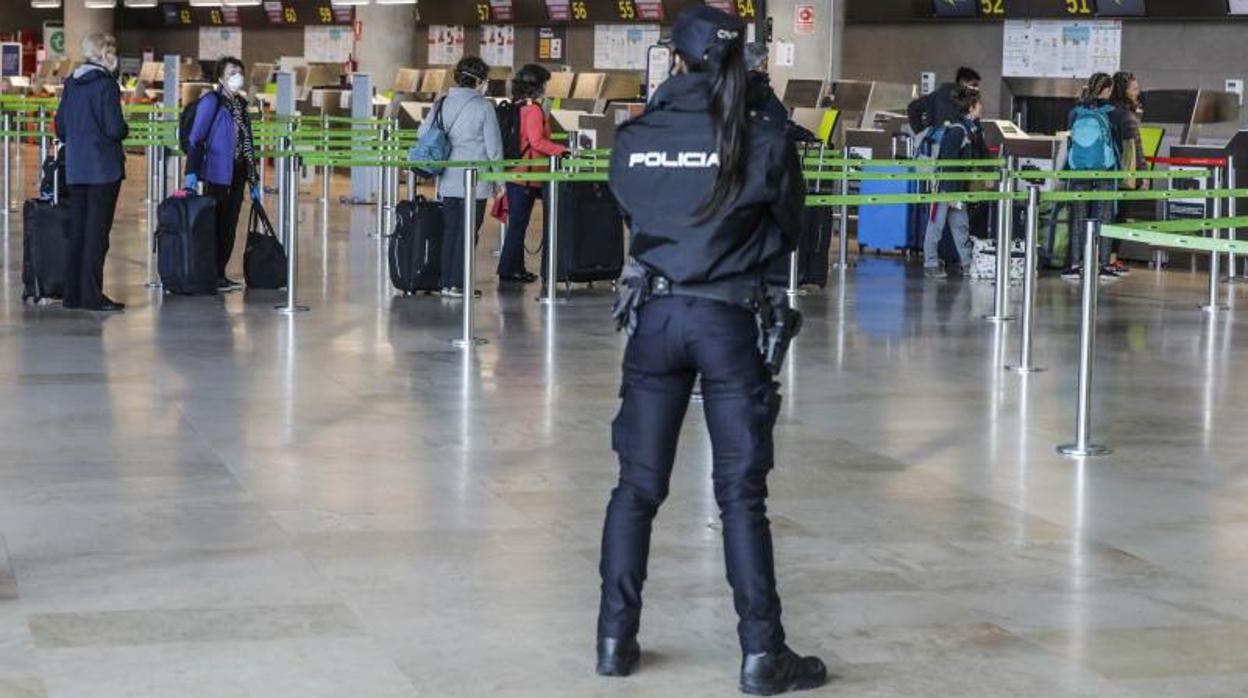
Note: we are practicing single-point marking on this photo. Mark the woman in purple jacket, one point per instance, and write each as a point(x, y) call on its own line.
point(223, 155)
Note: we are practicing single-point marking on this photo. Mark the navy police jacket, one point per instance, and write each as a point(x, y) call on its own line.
point(663, 167)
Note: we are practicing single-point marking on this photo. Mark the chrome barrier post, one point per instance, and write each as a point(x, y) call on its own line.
point(280, 168)
point(7, 124)
point(19, 123)
point(1082, 447)
point(1025, 364)
point(326, 169)
point(1214, 303)
point(160, 190)
point(43, 136)
point(551, 296)
point(1232, 233)
point(327, 174)
point(842, 247)
point(291, 225)
point(1005, 236)
point(502, 238)
point(468, 340)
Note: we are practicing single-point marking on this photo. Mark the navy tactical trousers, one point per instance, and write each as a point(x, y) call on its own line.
point(678, 339)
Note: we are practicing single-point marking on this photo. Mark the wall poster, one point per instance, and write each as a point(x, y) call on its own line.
point(623, 46)
point(328, 44)
point(217, 42)
point(446, 44)
point(1038, 48)
point(498, 45)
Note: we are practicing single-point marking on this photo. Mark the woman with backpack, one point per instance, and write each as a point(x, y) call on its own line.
point(222, 153)
point(469, 123)
point(528, 88)
point(1097, 129)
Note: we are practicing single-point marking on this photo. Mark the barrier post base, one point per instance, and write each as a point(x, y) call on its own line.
point(1215, 308)
point(839, 266)
point(558, 300)
point(289, 310)
point(461, 343)
point(1091, 451)
point(154, 285)
point(999, 318)
point(796, 292)
point(1026, 369)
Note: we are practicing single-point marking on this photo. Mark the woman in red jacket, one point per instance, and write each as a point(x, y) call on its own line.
point(528, 87)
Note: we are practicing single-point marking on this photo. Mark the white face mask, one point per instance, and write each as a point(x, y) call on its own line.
point(234, 82)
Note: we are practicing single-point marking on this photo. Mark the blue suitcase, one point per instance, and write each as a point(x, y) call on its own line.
point(886, 227)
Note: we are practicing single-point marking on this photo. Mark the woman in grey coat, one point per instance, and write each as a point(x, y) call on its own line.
point(472, 128)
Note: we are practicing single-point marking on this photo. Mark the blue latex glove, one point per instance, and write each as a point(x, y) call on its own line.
point(192, 182)
point(255, 193)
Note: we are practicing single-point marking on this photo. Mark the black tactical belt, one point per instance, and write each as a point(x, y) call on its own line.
point(737, 292)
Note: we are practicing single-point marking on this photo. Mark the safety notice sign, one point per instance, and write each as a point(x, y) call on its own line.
point(804, 19)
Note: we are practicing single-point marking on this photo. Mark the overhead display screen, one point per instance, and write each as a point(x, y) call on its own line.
point(1121, 8)
point(1237, 7)
point(956, 8)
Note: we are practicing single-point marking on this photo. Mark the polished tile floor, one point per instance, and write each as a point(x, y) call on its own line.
point(205, 498)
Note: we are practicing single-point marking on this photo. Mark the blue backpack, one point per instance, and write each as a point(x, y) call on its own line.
point(933, 138)
point(1092, 145)
point(435, 145)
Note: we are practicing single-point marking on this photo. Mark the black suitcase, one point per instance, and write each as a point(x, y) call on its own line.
point(814, 246)
point(264, 261)
point(186, 240)
point(416, 246)
point(44, 249)
point(591, 234)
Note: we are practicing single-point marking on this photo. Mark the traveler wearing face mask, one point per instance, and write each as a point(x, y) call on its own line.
point(470, 124)
point(528, 87)
point(90, 124)
point(223, 156)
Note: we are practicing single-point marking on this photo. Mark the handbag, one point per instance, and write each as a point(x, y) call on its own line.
point(264, 262)
point(435, 145)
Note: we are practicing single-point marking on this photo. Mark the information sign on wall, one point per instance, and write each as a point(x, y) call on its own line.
point(550, 43)
point(53, 40)
point(804, 19)
point(218, 42)
point(334, 44)
point(446, 44)
point(498, 44)
point(623, 46)
point(1039, 48)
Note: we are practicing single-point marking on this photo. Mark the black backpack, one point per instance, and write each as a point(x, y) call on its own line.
point(508, 114)
point(186, 122)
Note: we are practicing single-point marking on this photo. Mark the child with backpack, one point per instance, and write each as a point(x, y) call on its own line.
point(955, 140)
point(1097, 129)
point(526, 135)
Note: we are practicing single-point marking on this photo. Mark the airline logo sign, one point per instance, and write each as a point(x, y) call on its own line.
point(804, 19)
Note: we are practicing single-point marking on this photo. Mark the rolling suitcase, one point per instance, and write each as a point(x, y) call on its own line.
point(186, 240)
point(814, 246)
point(264, 261)
point(886, 227)
point(44, 235)
point(416, 246)
point(44, 249)
point(591, 234)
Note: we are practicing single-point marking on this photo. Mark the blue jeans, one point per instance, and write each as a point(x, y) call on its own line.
point(959, 226)
point(1083, 211)
point(520, 201)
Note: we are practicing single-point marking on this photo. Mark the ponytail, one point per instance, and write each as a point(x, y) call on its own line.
point(726, 64)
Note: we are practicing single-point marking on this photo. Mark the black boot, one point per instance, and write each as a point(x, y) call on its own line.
point(617, 657)
point(772, 673)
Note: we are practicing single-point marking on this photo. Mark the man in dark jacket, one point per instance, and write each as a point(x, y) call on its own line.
point(761, 97)
point(938, 108)
point(90, 124)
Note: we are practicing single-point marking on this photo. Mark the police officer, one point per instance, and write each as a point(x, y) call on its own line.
point(711, 197)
